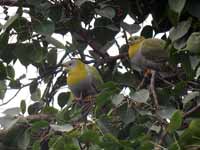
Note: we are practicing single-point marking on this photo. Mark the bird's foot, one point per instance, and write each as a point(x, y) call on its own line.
point(153, 91)
point(89, 98)
point(147, 72)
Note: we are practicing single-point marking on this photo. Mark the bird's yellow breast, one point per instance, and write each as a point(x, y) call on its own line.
point(133, 49)
point(76, 74)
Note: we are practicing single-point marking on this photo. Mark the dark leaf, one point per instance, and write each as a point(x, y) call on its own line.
point(10, 72)
point(63, 98)
point(49, 110)
point(180, 30)
point(107, 12)
point(3, 89)
point(36, 95)
point(130, 28)
point(3, 72)
point(175, 121)
point(35, 108)
point(147, 31)
point(52, 56)
point(177, 5)
point(23, 106)
point(44, 27)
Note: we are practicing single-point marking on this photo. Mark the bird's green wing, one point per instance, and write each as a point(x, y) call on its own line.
point(96, 75)
point(154, 49)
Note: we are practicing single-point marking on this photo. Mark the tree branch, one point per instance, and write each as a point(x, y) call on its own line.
point(152, 88)
point(195, 108)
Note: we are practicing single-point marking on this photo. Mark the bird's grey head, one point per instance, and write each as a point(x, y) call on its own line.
point(135, 39)
point(70, 64)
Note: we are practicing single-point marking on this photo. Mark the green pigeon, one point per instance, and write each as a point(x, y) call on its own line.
point(83, 80)
point(148, 53)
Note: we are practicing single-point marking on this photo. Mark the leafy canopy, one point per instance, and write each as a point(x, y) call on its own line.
point(117, 121)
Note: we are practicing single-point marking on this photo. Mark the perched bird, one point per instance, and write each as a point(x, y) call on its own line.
point(148, 53)
point(83, 80)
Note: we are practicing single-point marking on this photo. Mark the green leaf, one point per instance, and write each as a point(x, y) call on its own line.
point(80, 2)
point(15, 84)
point(10, 72)
point(3, 72)
point(24, 140)
point(127, 114)
point(175, 146)
point(23, 106)
point(10, 21)
point(130, 28)
point(33, 87)
point(195, 126)
point(176, 5)
point(137, 131)
point(55, 12)
point(38, 125)
point(35, 108)
point(63, 98)
point(49, 110)
point(90, 136)
point(193, 7)
point(62, 128)
point(175, 121)
point(36, 95)
point(180, 30)
point(140, 96)
point(166, 112)
point(55, 42)
point(193, 43)
point(147, 145)
point(36, 145)
point(190, 96)
point(44, 27)
point(3, 89)
point(23, 28)
point(197, 75)
point(33, 2)
point(117, 99)
point(52, 56)
point(29, 52)
point(107, 12)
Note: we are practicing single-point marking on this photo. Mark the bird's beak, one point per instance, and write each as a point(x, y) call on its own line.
point(65, 66)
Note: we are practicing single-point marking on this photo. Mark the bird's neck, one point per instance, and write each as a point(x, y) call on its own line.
point(77, 74)
point(133, 49)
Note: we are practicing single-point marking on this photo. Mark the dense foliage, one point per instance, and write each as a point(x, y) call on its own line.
point(117, 121)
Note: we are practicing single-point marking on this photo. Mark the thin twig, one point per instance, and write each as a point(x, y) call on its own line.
point(141, 83)
point(165, 81)
point(162, 137)
point(152, 88)
point(14, 95)
point(125, 36)
point(186, 114)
